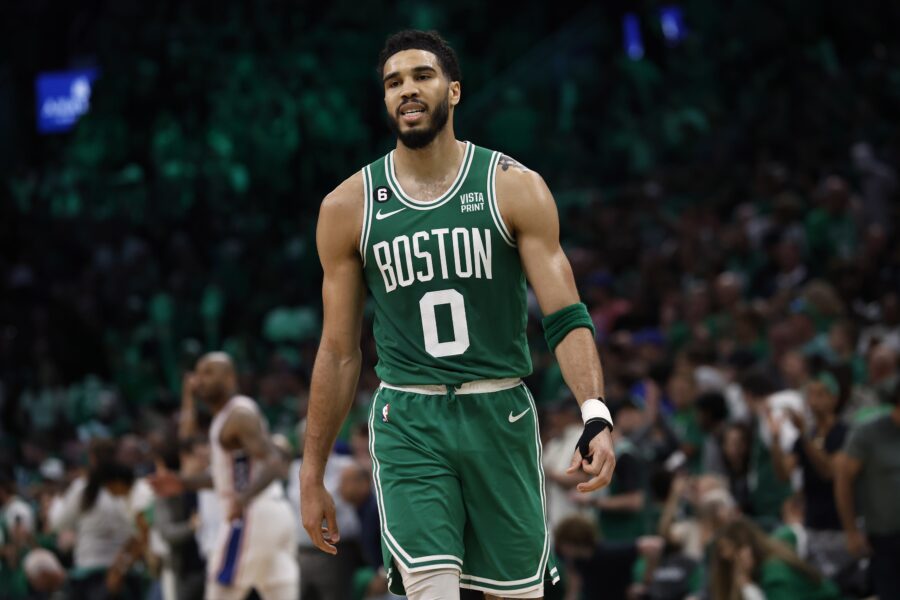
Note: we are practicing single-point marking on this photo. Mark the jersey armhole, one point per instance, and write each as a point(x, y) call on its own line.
point(493, 205)
point(367, 213)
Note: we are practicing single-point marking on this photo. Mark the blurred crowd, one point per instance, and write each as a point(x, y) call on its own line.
point(733, 229)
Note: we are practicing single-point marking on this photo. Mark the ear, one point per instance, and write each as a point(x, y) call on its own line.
point(453, 93)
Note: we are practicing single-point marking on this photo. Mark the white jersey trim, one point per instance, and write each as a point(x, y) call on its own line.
point(415, 204)
point(367, 213)
point(493, 205)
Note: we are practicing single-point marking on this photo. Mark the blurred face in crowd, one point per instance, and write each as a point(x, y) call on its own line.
point(793, 368)
point(820, 399)
point(418, 97)
point(681, 391)
point(735, 447)
point(215, 380)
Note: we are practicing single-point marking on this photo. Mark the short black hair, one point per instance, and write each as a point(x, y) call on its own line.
point(430, 41)
point(714, 405)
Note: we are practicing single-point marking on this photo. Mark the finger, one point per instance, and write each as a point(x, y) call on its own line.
point(602, 479)
point(334, 535)
point(575, 464)
point(597, 460)
point(315, 534)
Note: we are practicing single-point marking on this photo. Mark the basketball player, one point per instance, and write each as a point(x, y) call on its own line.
point(256, 546)
point(443, 233)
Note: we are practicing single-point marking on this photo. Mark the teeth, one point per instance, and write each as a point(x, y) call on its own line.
point(412, 112)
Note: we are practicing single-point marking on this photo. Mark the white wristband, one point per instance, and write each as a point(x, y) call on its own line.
point(594, 409)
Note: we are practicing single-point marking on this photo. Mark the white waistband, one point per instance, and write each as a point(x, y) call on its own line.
point(482, 386)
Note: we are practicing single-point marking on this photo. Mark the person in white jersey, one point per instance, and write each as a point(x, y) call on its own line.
point(257, 547)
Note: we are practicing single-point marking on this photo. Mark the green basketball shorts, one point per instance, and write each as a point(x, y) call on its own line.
point(459, 484)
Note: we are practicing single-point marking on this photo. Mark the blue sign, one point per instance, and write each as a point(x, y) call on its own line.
point(631, 30)
point(671, 20)
point(62, 98)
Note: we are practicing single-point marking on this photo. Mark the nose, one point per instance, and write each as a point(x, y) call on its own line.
point(409, 89)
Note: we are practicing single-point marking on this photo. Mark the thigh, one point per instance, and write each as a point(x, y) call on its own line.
point(507, 543)
point(217, 591)
point(284, 590)
point(418, 491)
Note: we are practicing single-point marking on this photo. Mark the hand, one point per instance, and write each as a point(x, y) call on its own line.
point(114, 580)
point(317, 505)
point(187, 385)
point(601, 465)
point(857, 544)
point(166, 483)
point(797, 419)
point(195, 521)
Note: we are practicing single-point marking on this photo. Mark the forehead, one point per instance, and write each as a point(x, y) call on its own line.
point(410, 59)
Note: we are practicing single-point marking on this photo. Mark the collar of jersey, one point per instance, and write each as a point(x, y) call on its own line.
point(428, 204)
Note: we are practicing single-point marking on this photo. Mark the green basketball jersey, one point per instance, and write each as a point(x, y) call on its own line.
point(445, 277)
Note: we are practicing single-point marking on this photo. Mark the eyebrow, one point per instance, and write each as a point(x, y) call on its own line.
point(418, 69)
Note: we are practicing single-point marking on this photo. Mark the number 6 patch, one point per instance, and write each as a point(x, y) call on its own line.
point(382, 194)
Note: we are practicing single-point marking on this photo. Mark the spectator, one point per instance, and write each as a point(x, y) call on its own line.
point(748, 565)
point(813, 453)
point(98, 507)
point(868, 469)
point(595, 568)
point(176, 520)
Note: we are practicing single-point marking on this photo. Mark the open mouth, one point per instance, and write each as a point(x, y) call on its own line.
point(410, 113)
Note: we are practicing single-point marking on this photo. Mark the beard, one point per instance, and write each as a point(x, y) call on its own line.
point(418, 138)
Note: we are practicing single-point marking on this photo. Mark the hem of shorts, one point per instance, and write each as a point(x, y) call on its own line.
point(487, 587)
point(428, 566)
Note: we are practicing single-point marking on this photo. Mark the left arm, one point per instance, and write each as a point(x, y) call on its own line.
point(244, 429)
point(529, 210)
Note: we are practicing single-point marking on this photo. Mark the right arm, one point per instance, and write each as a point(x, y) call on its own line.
point(337, 366)
point(846, 471)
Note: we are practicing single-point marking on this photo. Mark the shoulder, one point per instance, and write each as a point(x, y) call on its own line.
point(341, 216)
point(346, 197)
point(243, 409)
point(513, 176)
point(522, 193)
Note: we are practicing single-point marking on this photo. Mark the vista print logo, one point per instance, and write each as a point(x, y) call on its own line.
point(63, 98)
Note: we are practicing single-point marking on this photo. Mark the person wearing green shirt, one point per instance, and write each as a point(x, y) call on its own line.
point(748, 564)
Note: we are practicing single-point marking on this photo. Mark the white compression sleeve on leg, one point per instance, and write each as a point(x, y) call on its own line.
point(436, 584)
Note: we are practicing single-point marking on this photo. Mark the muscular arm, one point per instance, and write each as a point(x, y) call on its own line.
point(244, 430)
point(528, 206)
point(336, 370)
point(529, 209)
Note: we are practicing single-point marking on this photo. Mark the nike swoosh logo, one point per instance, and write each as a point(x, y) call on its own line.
point(513, 419)
point(380, 215)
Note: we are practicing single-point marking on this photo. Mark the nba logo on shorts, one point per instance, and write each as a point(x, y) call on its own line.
point(384, 412)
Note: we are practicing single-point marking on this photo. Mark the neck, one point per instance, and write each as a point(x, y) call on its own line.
point(437, 160)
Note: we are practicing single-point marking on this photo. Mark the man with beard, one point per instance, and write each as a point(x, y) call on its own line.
point(443, 234)
point(256, 545)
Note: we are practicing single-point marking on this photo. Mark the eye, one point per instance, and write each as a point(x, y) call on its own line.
point(423, 77)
